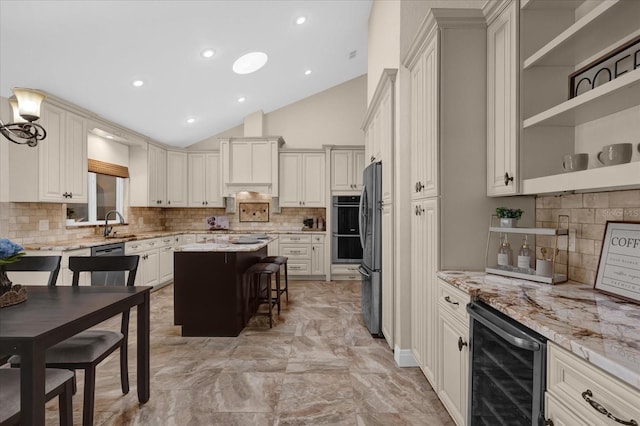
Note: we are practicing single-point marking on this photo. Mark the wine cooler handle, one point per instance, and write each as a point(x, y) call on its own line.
point(587, 395)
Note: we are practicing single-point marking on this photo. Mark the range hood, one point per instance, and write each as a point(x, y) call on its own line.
point(250, 164)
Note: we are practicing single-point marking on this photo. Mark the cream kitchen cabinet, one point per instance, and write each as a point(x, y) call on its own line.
point(148, 176)
point(305, 253)
point(302, 179)
point(346, 169)
point(554, 43)
point(250, 164)
point(379, 128)
point(317, 257)
point(342, 271)
point(502, 100)
point(65, 276)
point(578, 390)
point(166, 249)
point(424, 302)
point(204, 180)
point(447, 66)
point(453, 351)
point(388, 266)
point(56, 170)
point(148, 273)
point(176, 179)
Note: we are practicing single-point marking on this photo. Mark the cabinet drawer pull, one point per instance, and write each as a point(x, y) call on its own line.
point(295, 251)
point(587, 395)
point(507, 179)
point(448, 299)
point(461, 344)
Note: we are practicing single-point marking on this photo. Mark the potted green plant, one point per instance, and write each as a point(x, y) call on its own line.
point(508, 217)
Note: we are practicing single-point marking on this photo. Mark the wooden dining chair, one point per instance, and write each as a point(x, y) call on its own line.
point(37, 264)
point(87, 349)
point(58, 382)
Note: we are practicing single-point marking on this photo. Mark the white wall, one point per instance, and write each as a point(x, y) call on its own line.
point(331, 117)
point(383, 41)
point(108, 151)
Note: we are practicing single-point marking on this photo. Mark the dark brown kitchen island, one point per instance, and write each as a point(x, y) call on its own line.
point(210, 290)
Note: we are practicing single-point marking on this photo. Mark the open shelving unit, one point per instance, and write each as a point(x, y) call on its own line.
point(514, 271)
point(575, 34)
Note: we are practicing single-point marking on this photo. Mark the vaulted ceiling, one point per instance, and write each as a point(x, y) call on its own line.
point(91, 52)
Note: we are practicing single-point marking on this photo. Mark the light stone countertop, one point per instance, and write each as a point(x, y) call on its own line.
point(94, 241)
point(226, 244)
point(601, 329)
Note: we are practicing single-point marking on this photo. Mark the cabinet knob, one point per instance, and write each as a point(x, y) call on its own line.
point(206, 203)
point(419, 186)
point(548, 422)
point(507, 179)
point(373, 158)
point(461, 344)
point(203, 203)
point(169, 202)
point(71, 195)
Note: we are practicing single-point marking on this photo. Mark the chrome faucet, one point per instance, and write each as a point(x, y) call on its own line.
point(107, 228)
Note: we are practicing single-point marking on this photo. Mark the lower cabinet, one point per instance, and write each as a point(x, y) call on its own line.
point(305, 253)
point(156, 259)
point(345, 271)
point(65, 276)
point(453, 351)
point(580, 393)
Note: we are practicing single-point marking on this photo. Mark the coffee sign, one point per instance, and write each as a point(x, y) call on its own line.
point(622, 60)
point(619, 267)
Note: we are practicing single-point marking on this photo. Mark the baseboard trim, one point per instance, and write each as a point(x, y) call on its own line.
point(404, 357)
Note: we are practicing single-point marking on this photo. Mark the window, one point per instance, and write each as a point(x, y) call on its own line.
point(105, 192)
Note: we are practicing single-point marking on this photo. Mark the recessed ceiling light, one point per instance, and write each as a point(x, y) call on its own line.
point(307, 72)
point(138, 83)
point(250, 62)
point(242, 99)
point(191, 120)
point(208, 53)
point(301, 20)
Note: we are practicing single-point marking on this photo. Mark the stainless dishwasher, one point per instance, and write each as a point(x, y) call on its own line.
point(108, 277)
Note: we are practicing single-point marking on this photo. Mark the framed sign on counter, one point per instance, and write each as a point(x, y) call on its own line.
point(619, 267)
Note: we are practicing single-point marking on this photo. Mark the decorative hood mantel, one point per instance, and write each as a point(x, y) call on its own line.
point(250, 164)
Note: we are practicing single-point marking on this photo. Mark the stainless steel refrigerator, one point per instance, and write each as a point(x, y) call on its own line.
point(371, 239)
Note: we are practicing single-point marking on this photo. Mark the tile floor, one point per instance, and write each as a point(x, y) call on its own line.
point(317, 366)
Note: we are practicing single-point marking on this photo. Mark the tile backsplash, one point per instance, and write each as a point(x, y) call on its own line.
point(38, 223)
point(588, 215)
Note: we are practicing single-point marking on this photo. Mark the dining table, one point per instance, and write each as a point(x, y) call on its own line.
point(52, 314)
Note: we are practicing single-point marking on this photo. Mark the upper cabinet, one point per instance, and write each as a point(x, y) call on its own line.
point(302, 179)
point(553, 40)
point(176, 179)
point(502, 101)
point(379, 130)
point(250, 164)
point(347, 166)
point(148, 176)
point(204, 180)
point(56, 170)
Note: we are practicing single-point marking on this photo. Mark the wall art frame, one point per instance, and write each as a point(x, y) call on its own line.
point(618, 271)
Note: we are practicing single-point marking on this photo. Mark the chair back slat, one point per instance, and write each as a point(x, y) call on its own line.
point(37, 264)
point(79, 264)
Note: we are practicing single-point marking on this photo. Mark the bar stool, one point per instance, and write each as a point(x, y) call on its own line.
point(257, 273)
point(280, 260)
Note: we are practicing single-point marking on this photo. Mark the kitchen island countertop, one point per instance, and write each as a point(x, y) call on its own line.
point(601, 329)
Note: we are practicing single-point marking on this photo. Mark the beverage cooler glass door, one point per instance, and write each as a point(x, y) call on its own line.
point(507, 375)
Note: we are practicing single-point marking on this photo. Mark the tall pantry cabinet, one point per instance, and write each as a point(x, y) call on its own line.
point(449, 207)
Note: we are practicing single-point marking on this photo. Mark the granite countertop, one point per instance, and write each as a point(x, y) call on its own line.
point(226, 244)
point(96, 240)
point(601, 329)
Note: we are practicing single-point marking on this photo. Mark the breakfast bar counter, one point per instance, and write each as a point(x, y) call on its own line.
point(210, 289)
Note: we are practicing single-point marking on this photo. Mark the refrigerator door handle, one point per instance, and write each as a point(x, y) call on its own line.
point(363, 272)
point(362, 215)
